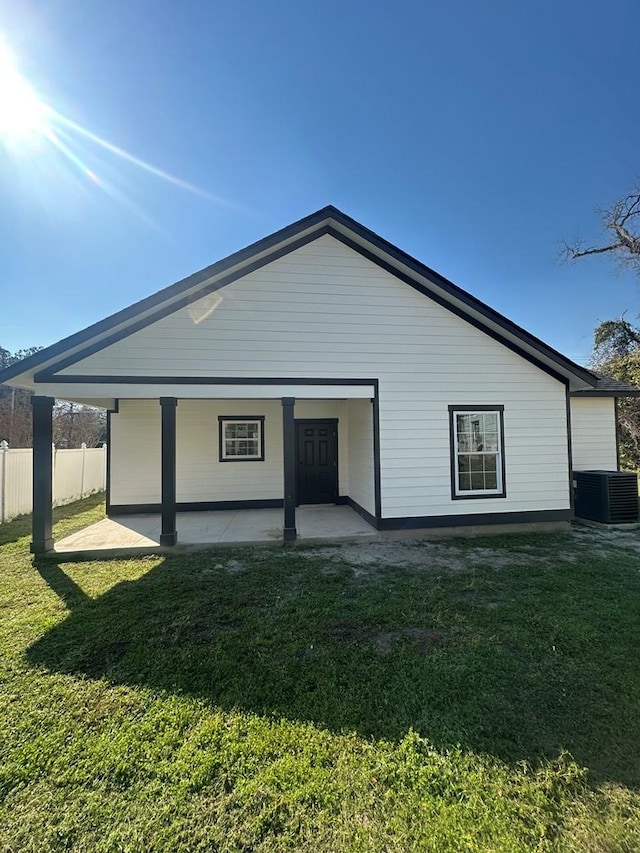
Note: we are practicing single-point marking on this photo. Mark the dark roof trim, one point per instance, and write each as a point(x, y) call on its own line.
point(607, 392)
point(307, 224)
point(205, 380)
point(51, 374)
point(170, 292)
point(462, 295)
point(454, 309)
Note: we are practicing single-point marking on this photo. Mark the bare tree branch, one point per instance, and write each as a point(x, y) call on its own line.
point(575, 252)
point(622, 220)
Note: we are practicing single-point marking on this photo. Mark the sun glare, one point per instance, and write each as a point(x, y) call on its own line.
point(22, 113)
point(38, 137)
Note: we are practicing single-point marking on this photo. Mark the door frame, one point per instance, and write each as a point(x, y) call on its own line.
point(334, 422)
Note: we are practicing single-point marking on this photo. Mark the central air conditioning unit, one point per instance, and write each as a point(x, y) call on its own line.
point(610, 497)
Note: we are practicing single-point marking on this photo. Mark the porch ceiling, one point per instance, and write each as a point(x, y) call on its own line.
point(99, 393)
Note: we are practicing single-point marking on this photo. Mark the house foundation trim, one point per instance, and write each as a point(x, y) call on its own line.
point(289, 455)
point(42, 518)
point(475, 519)
point(169, 534)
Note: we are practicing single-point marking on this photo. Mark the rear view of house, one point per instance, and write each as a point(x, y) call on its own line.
point(324, 365)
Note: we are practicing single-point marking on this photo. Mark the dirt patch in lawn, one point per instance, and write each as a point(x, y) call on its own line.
point(367, 557)
point(604, 540)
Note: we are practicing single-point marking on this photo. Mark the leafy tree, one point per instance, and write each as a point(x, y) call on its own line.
point(616, 354)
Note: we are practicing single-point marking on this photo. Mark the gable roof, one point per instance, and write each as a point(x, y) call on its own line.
point(329, 220)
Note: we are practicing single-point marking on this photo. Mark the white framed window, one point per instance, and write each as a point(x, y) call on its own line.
point(477, 452)
point(241, 438)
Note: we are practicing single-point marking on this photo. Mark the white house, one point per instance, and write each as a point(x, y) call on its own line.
point(324, 365)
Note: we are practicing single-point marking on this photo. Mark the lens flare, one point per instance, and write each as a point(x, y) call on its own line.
point(22, 113)
point(33, 130)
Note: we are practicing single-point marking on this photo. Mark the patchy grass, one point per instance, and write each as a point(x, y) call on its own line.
point(475, 695)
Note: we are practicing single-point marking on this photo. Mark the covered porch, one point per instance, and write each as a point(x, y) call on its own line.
point(226, 461)
point(141, 533)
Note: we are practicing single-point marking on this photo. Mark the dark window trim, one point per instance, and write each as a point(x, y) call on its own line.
point(245, 419)
point(452, 452)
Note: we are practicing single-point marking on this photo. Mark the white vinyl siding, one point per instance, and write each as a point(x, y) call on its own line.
point(326, 311)
point(593, 434)
point(135, 453)
point(200, 476)
point(361, 466)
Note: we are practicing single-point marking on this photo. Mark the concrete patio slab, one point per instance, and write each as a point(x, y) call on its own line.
point(141, 533)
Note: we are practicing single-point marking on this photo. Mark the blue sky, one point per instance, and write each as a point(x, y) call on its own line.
point(476, 136)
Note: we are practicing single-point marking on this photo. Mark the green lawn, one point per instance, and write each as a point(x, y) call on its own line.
point(469, 695)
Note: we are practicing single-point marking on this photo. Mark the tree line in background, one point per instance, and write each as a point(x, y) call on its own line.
point(73, 424)
point(616, 351)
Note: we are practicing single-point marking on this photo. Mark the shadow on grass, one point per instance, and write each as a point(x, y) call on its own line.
point(518, 663)
point(63, 586)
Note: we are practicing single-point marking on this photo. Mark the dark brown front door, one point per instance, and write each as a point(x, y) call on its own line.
point(317, 456)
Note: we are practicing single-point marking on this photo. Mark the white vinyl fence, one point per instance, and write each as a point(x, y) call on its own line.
point(76, 474)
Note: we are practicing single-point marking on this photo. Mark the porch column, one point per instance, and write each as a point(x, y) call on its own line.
point(289, 457)
point(41, 520)
point(168, 535)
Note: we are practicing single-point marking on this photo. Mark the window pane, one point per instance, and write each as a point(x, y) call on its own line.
point(478, 446)
point(463, 423)
point(491, 480)
point(241, 439)
point(490, 463)
point(490, 422)
point(491, 442)
point(464, 443)
point(476, 433)
point(464, 482)
point(476, 462)
point(477, 481)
